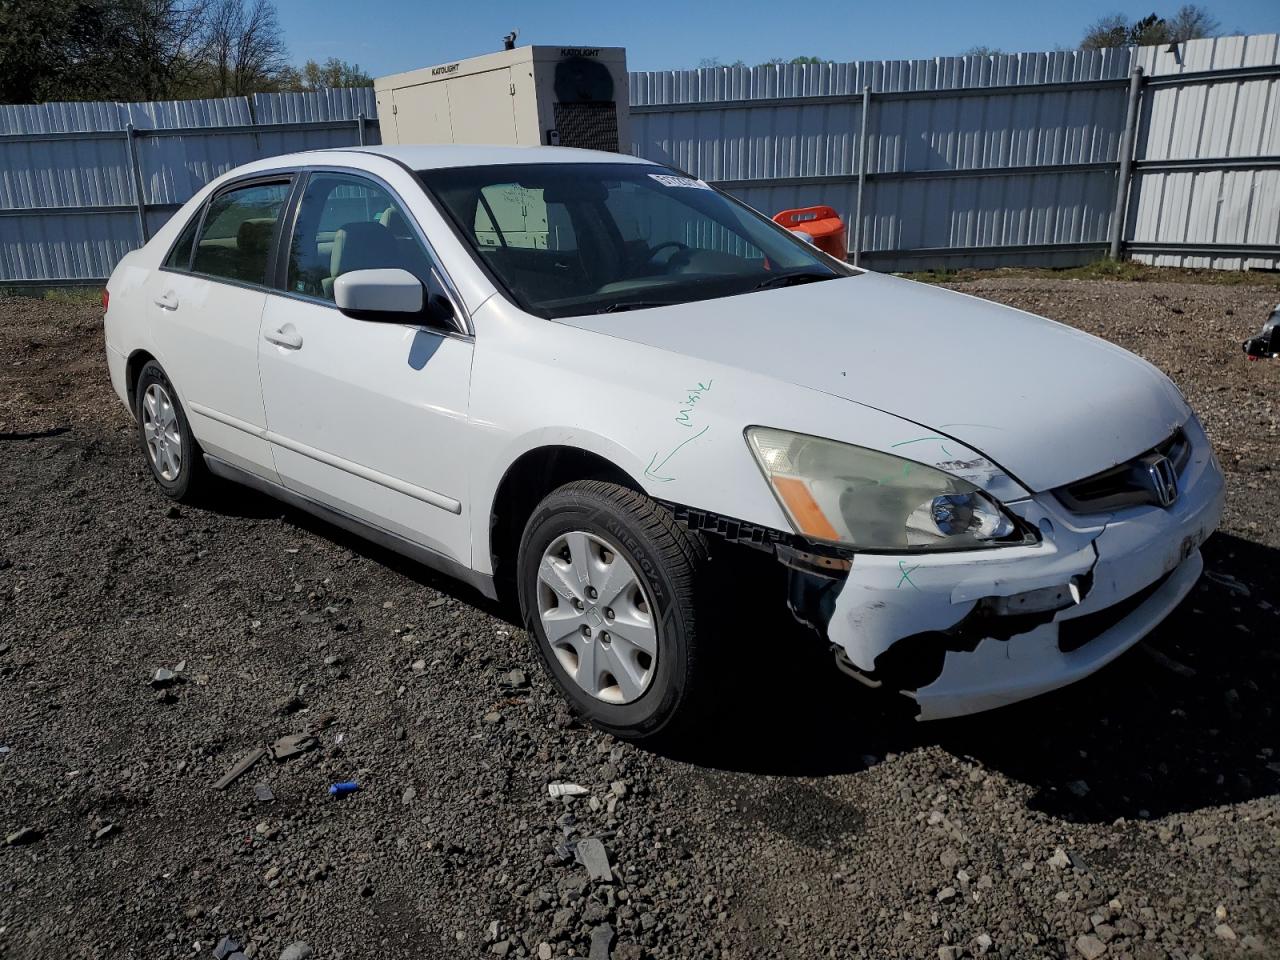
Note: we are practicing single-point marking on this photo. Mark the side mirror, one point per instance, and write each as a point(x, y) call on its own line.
point(392, 295)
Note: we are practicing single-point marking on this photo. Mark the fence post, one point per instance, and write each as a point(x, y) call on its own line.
point(862, 173)
point(360, 128)
point(1126, 163)
point(136, 167)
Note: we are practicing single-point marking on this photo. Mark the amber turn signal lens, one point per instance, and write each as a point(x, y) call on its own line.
point(804, 509)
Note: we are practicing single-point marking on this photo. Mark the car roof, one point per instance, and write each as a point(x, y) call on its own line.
point(439, 155)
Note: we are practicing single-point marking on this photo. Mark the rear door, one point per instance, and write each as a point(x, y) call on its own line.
point(369, 418)
point(207, 304)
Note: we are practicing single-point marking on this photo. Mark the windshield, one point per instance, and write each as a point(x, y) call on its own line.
point(568, 239)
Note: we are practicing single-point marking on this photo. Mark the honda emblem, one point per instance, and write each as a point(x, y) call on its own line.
point(1162, 480)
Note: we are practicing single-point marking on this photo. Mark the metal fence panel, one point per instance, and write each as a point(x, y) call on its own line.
point(1234, 118)
point(1050, 154)
point(39, 247)
point(68, 205)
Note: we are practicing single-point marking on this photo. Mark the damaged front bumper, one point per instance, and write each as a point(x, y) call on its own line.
point(970, 631)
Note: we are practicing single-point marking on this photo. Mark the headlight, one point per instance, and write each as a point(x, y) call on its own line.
point(863, 498)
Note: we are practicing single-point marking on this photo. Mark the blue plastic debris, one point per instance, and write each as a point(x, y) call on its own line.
point(338, 789)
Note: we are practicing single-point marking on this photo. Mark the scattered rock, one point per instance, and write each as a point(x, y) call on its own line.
point(592, 855)
point(297, 951)
point(1090, 947)
point(292, 745)
point(21, 837)
point(239, 768)
point(1078, 787)
point(601, 942)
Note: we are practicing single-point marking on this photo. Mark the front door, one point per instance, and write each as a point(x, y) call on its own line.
point(366, 417)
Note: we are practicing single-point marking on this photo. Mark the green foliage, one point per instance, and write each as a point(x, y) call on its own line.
point(96, 49)
point(709, 62)
point(139, 49)
point(316, 76)
point(1190, 22)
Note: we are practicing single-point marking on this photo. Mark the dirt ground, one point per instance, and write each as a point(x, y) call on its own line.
point(1136, 814)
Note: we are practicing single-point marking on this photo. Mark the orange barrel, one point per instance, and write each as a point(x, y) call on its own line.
point(821, 223)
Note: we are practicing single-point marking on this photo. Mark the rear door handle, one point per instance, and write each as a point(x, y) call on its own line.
point(287, 336)
point(167, 301)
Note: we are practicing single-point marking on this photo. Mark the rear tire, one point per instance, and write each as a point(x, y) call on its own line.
point(171, 451)
point(608, 586)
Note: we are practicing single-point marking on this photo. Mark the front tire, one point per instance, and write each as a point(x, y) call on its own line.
point(608, 587)
point(172, 453)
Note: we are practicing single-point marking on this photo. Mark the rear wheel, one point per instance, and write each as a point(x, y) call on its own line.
point(176, 461)
point(607, 582)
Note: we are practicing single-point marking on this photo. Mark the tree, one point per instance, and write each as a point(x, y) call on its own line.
point(981, 51)
point(97, 49)
point(245, 47)
point(316, 76)
point(1191, 22)
point(783, 61)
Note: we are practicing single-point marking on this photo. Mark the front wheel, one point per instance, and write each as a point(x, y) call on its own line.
point(607, 585)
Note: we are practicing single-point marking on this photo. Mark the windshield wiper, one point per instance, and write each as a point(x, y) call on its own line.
point(622, 305)
point(791, 279)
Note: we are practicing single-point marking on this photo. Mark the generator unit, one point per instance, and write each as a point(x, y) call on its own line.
point(556, 96)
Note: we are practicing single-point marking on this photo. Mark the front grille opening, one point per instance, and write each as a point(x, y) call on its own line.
point(1122, 485)
point(1075, 633)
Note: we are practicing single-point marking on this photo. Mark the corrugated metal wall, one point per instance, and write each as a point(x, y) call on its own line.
point(1208, 156)
point(68, 201)
point(970, 161)
point(985, 161)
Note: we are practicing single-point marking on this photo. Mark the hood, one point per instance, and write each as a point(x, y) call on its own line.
point(1048, 403)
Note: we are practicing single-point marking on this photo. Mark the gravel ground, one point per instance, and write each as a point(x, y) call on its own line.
point(1135, 814)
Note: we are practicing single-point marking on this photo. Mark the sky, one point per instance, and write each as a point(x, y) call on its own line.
point(390, 36)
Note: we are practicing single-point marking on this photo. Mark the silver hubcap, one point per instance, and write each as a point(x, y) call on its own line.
point(160, 427)
point(597, 617)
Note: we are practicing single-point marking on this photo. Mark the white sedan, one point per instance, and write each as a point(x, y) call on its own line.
point(593, 380)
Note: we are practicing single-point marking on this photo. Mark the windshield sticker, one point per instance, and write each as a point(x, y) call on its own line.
point(667, 180)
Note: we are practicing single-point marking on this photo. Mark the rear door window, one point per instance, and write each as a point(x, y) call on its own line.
point(180, 256)
point(239, 228)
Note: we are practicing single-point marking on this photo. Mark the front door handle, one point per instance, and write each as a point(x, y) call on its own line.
point(167, 300)
point(287, 337)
